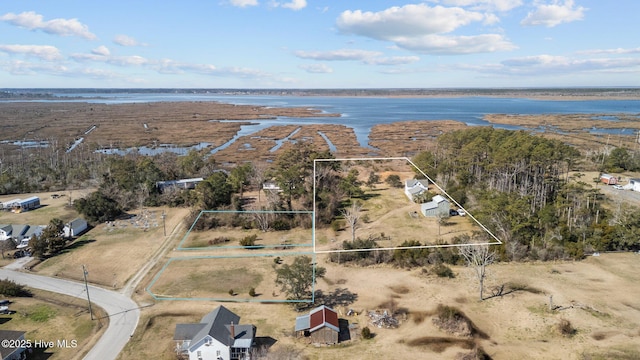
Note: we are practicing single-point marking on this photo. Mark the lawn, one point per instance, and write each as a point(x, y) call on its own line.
point(47, 317)
point(216, 277)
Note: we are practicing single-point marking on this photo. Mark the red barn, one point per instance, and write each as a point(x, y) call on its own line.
point(321, 325)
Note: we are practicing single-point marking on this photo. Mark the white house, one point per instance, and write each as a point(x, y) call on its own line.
point(217, 337)
point(634, 184)
point(413, 187)
point(75, 228)
point(32, 230)
point(180, 184)
point(438, 205)
point(5, 232)
point(271, 186)
point(8, 205)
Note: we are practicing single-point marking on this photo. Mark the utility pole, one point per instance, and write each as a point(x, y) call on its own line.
point(86, 286)
point(164, 228)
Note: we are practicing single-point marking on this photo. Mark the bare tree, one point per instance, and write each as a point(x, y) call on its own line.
point(478, 257)
point(258, 176)
point(263, 218)
point(352, 216)
point(442, 218)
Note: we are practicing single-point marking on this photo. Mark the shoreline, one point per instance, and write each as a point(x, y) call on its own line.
point(552, 94)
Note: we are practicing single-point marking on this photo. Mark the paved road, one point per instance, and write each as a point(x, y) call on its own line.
point(123, 312)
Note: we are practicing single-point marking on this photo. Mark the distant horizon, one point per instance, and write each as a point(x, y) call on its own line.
point(603, 87)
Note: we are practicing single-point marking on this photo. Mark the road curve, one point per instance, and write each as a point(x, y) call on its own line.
point(123, 312)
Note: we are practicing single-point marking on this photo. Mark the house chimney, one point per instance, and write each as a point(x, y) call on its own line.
point(232, 329)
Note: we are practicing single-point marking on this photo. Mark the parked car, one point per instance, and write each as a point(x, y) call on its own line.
point(453, 212)
point(462, 212)
point(618, 187)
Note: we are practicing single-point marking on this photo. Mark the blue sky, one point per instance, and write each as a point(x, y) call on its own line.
point(319, 44)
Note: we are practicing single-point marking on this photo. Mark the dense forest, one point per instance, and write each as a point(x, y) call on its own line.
point(526, 189)
point(520, 186)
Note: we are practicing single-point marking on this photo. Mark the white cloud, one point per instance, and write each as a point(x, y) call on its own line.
point(548, 64)
point(19, 67)
point(124, 40)
point(393, 60)
point(44, 52)
point(102, 54)
point(101, 50)
point(408, 20)
point(293, 4)
point(64, 27)
point(456, 45)
point(317, 68)
point(491, 5)
point(133, 60)
point(168, 66)
point(554, 14)
point(243, 3)
point(337, 55)
point(611, 51)
point(420, 28)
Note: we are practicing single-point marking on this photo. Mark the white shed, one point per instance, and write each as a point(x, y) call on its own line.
point(75, 228)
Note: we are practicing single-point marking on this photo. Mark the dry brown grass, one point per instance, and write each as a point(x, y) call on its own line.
point(113, 254)
point(214, 277)
point(62, 318)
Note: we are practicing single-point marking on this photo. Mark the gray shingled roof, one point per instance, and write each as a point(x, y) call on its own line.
point(214, 324)
point(187, 331)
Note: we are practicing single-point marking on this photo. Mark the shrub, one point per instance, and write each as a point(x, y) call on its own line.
point(443, 270)
point(231, 292)
point(249, 240)
point(219, 240)
point(336, 225)
point(277, 260)
point(366, 333)
point(565, 328)
point(11, 288)
point(393, 180)
point(281, 225)
point(252, 292)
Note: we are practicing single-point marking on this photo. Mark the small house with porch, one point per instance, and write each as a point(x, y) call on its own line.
point(321, 325)
point(437, 206)
point(217, 337)
point(415, 187)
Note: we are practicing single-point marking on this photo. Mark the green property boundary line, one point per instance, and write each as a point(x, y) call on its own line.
point(186, 235)
point(148, 289)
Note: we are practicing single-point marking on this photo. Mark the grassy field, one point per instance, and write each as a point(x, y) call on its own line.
point(215, 277)
point(51, 317)
point(597, 296)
